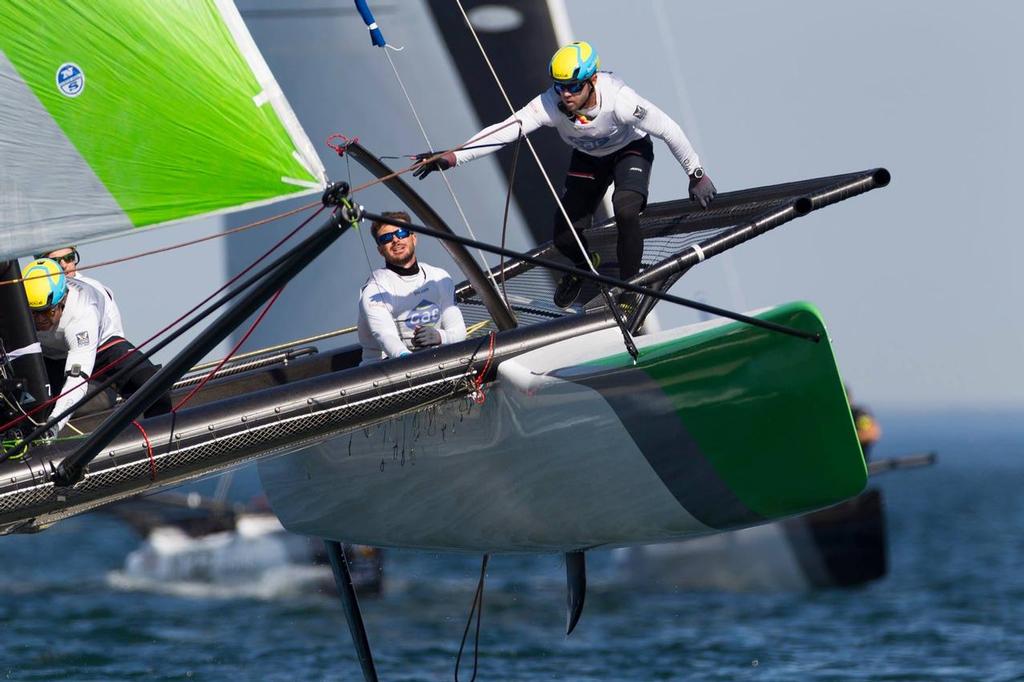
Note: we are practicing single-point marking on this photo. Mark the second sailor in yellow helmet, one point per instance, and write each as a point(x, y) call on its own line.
point(80, 331)
point(609, 127)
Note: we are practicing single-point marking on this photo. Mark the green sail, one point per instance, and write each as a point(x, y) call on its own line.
point(126, 114)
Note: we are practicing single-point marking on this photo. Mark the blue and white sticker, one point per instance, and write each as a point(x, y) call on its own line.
point(70, 80)
point(426, 313)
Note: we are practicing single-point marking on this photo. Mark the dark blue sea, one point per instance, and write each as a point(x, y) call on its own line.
point(951, 608)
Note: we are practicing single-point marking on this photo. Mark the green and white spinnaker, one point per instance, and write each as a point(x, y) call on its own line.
point(136, 114)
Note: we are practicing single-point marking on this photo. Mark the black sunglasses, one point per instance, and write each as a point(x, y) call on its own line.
point(72, 257)
point(400, 233)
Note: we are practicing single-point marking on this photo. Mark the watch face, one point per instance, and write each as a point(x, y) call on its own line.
point(698, 173)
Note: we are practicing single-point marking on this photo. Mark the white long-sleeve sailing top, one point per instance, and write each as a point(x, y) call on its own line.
point(89, 319)
point(391, 306)
point(619, 117)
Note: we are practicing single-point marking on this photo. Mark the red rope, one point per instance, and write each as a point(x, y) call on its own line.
point(234, 350)
point(172, 247)
point(478, 392)
point(342, 146)
point(102, 370)
point(149, 450)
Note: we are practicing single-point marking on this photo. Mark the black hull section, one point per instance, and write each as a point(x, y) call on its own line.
point(847, 542)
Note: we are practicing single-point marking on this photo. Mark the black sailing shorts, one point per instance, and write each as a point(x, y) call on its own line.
point(630, 168)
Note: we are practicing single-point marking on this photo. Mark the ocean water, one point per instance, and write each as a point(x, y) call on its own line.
point(952, 607)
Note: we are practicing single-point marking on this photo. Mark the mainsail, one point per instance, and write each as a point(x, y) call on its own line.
point(134, 115)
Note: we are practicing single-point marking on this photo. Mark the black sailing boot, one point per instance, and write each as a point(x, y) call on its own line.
point(569, 286)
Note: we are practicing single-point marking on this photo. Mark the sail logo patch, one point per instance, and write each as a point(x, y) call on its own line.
point(425, 313)
point(587, 144)
point(82, 339)
point(70, 80)
point(640, 112)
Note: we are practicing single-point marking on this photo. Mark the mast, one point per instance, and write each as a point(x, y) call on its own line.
point(18, 333)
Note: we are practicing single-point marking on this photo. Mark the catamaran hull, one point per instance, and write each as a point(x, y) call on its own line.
point(269, 412)
point(574, 447)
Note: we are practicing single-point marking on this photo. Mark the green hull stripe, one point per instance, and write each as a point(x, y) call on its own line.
point(767, 410)
point(653, 423)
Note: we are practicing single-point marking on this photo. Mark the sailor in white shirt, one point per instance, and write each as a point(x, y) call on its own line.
point(80, 331)
point(609, 127)
point(406, 305)
point(68, 258)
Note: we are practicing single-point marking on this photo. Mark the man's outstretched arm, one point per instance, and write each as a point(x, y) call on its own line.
point(489, 140)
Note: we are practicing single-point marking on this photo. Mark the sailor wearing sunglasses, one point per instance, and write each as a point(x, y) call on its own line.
point(80, 335)
point(68, 258)
point(609, 127)
point(406, 305)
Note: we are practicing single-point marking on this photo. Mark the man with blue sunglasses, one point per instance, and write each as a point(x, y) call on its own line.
point(406, 305)
point(609, 127)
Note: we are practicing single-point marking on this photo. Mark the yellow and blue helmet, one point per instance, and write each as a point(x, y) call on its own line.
point(574, 63)
point(45, 284)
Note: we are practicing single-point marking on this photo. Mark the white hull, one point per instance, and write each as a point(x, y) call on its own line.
point(508, 474)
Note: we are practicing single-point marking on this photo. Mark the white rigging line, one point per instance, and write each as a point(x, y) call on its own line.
point(430, 146)
point(220, 495)
point(543, 172)
point(661, 20)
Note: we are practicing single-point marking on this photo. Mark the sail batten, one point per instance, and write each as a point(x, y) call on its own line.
point(133, 115)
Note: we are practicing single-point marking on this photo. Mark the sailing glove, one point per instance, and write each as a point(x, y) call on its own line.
point(425, 337)
point(702, 190)
point(443, 162)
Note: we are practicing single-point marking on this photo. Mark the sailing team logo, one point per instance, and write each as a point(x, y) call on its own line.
point(70, 79)
point(425, 313)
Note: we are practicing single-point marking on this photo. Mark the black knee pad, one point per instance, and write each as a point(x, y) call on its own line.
point(627, 203)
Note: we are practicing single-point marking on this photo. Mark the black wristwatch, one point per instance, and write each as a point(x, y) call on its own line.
point(697, 173)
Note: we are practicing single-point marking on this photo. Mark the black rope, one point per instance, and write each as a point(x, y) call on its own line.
point(814, 337)
point(130, 363)
point(478, 607)
point(129, 366)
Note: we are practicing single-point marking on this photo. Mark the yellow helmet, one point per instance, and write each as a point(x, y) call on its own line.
point(575, 62)
point(45, 285)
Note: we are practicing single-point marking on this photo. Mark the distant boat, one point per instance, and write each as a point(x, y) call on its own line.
point(193, 544)
point(842, 546)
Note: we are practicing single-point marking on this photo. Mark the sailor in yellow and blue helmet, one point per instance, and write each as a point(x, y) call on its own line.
point(609, 127)
point(46, 286)
point(79, 330)
point(574, 64)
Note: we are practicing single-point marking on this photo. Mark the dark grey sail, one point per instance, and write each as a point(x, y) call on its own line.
point(519, 48)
